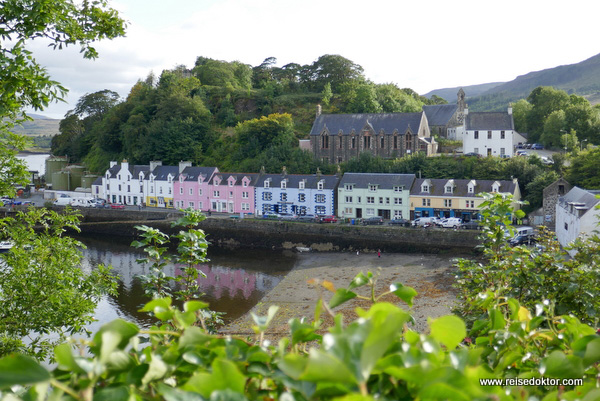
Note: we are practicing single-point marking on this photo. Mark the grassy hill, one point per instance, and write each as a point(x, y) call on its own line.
point(38, 127)
point(582, 79)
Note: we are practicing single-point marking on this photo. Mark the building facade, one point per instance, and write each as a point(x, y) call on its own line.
point(336, 138)
point(363, 195)
point(124, 184)
point(490, 133)
point(576, 215)
point(456, 198)
point(552, 193)
point(296, 194)
point(232, 192)
point(191, 188)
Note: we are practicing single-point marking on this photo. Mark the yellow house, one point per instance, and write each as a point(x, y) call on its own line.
point(455, 198)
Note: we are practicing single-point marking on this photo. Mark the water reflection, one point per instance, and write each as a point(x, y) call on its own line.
point(235, 280)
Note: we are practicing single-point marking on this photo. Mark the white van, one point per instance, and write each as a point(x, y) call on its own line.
point(421, 221)
point(63, 201)
point(524, 230)
point(451, 222)
point(82, 202)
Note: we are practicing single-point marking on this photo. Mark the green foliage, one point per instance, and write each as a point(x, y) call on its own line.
point(13, 171)
point(375, 357)
point(528, 275)
point(583, 169)
point(44, 291)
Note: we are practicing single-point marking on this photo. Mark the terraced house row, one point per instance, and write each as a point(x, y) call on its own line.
point(353, 195)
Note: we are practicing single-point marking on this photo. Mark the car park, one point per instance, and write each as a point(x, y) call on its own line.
point(399, 222)
point(375, 220)
point(327, 219)
point(470, 225)
point(450, 222)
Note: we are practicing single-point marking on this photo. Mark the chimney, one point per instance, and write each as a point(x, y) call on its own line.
point(262, 170)
point(154, 164)
point(183, 165)
point(510, 110)
point(284, 171)
point(125, 164)
point(113, 163)
point(318, 173)
point(319, 110)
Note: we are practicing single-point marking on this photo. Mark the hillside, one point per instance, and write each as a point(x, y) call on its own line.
point(582, 79)
point(40, 126)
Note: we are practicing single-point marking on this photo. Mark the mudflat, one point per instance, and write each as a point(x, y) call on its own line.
point(432, 276)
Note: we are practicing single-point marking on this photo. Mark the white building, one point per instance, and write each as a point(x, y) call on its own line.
point(576, 215)
point(490, 133)
point(124, 184)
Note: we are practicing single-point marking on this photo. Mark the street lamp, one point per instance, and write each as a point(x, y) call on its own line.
point(581, 144)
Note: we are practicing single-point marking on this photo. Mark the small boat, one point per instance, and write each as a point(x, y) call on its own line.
point(5, 246)
point(303, 249)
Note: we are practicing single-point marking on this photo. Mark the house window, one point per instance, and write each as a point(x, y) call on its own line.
point(190, 204)
point(245, 206)
point(283, 197)
point(128, 188)
point(471, 189)
point(370, 199)
point(244, 195)
point(398, 189)
point(216, 194)
point(119, 187)
point(348, 210)
point(320, 185)
point(380, 200)
point(267, 183)
point(348, 199)
point(387, 201)
point(502, 151)
point(397, 214)
point(320, 210)
point(320, 198)
point(447, 202)
point(395, 142)
point(119, 176)
point(284, 184)
point(476, 150)
point(200, 205)
point(180, 191)
point(382, 142)
point(245, 184)
point(324, 142)
point(476, 135)
point(425, 188)
point(397, 201)
point(170, 190)
point(159, 190)
point(372, 188)
point(426, 202)
point(502, 135)
point(301, 185)
point(199, 191)
point(370, 212)
point(353, 143)
point(141, 188)
point(191, 191)
point(267, 196)
point(449, 189)
point(489, 134)
point(348, 187)
point(358, 199)
point(367, 142)
point(340, 142)
point(301, 197)
point(231, 194)
point(230, 183)
point(566, 226)
point(151, 190)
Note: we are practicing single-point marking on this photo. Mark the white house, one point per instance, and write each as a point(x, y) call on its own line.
point(576, 215)
point(490, 133)
point(123, 183)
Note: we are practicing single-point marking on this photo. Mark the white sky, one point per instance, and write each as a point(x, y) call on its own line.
point(419, 44)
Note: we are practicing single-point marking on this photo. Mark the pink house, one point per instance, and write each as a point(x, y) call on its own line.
point(232, 192)
point(191, 188)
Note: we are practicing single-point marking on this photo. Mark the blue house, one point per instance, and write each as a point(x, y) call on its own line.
point(296, 194)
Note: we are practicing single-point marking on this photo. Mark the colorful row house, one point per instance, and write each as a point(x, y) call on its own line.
point(296, 194)
point(363, 195)
point(192, 188)
point(232, 193)
point(456, 198)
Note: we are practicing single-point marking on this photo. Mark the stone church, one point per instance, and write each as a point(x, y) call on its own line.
point(445, 119)
point(336, 138)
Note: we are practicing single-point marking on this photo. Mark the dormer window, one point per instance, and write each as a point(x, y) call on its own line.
point(231, 182)
point(348, 187)
point(169, 179)
point(284, 184)
point(320, 185)
point(471, 189)
point(245, 183)
point(424, 188)
point(448, 189)
point(398, 189)
point(301, 184)
point(181, 179)
point(267, 183)
point(372, 188)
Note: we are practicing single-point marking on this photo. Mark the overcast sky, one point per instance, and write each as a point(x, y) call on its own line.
point(419, 44)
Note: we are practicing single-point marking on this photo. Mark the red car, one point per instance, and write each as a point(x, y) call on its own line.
point(117, 206)
point(328, 219)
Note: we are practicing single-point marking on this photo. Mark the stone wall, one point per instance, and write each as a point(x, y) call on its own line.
point(256, 233)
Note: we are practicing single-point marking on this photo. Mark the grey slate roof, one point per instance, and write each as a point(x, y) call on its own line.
point(135, 170)
point(461, 187)
point(384, 181)
point(161, 172)
point(578, 195)
point(97, 181)
point(238, 178)
point(440, 114)
point(329, 181)
point(489, 121)
point(114, 170)
point(192, 173)
point(386, 122)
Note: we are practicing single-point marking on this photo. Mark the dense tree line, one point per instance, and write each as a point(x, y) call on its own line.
point(199, 114)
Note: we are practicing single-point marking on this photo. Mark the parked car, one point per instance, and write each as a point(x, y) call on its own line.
point(286, 216)
point(546, 160)
point(307, 218)
point(522, 240)
point(375, 220)
point(528, 146)
point(450, 222)
point(470, 225)
point(327, 219)
point(117, 206)
point(399, 222)
point(473, 154)
point(537, 146)
point(269, 215)
point(522, 153)
point(82, 202)
point(424, 221)
point(63, 201)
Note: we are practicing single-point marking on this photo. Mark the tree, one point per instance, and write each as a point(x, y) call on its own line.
point(256, 135)
point(336, 70)
point(326, 94)
point(521, 111)
point(61, 22)
point(544, 100)
point(553, 127)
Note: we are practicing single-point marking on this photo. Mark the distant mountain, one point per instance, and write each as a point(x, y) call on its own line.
point(42, 126)
point(472, 90)
point(582, 79)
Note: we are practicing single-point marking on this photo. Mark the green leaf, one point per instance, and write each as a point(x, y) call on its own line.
point(359, 280)
point(113, 335)
point(65, 359)
point(341, 295)
point(325, 367)
point(225, 375)
point(193, 306)
point(404, 292)
point(293, 365)
point(448, 330)
point(262, 322)
point(162, 303)
point(560, 365)
point(20, 369)
point(497, 318)
point(112, 394)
